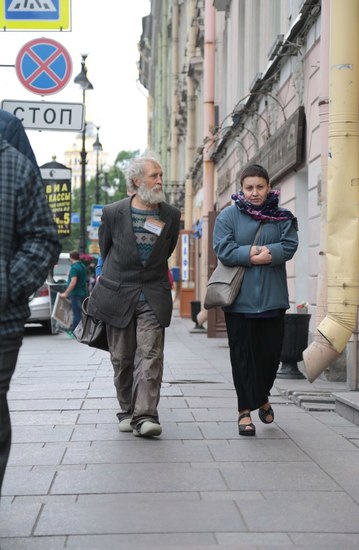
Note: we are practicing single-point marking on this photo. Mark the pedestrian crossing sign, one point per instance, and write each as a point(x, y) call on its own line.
point(35, 15)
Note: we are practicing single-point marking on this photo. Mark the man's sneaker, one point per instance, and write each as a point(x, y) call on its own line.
point(125, 425)
point(147, 429)
point(70, 334)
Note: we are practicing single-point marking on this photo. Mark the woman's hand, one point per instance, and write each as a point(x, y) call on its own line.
point(260, 255)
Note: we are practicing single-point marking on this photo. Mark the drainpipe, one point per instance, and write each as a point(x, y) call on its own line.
point(208, 122)
point(342, 250)
point(191, 121)
point(174, 87)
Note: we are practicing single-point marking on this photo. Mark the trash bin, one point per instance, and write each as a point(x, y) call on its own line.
point(195, 309)
point(295, 341)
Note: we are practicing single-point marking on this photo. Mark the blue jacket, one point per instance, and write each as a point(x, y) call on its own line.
point(264, 287)
point(99, 266)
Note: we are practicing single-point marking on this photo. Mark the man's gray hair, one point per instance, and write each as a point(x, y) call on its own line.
point(135, 169)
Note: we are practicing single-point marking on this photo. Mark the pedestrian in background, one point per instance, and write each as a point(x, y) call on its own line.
point(132, 295)
point(255, 321)
point(29, 247)
point(76, 288)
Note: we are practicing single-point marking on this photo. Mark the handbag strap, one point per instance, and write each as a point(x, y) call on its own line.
point(257, 234)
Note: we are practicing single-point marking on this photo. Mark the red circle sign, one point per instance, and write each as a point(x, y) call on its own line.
point(43, 66)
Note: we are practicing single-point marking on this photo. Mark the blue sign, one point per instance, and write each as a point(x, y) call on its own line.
point(75, 218)
point(30, 15)
point(25, 10)
point(43, 66)
point(96, 215)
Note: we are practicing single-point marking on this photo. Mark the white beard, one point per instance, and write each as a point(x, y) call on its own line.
point(150, 196)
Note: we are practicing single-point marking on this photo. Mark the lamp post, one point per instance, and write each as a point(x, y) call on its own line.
point(109, 191)
point(98, 148)
point(84, 83)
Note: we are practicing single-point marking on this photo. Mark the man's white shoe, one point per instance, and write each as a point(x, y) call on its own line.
point(125, 425)
point(147, 429)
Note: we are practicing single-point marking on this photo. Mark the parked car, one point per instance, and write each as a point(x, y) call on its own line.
point(40, 301)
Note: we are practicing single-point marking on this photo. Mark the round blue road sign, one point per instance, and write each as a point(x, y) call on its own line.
point(43, 66)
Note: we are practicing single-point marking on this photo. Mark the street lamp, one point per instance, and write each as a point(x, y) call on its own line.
point(106, 171)
point(84, 83)
point(109, 190)
point(98, 148)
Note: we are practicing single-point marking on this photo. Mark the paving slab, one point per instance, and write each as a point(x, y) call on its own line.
point(302, 512)
point(125, 478)
point(143, 517)
point(129, 451)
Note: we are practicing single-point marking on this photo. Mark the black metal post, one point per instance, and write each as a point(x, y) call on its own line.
point(98, 148)
point(83, 154)
point(106, 179)
point(84, 83)
point(97, 192)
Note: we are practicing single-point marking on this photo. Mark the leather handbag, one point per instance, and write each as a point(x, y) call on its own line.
point(225, 283)
point(91, 331)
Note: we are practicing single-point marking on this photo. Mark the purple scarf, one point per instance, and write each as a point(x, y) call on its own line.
point(268, 211)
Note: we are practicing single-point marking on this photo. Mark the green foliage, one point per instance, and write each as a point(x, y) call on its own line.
point(117, 190)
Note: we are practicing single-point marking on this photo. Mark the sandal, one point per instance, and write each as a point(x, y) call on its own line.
point(264, 413)
point(246, 429)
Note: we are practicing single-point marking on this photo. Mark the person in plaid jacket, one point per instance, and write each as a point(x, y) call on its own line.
point(29, 247)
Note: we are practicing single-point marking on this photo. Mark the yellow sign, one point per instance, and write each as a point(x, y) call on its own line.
point(50, 15)
point(58, 196)
point(94, 248)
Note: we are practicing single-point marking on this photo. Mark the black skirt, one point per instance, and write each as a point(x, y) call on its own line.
point(255, 348)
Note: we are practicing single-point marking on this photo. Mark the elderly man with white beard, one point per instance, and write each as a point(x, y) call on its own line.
point(133, 297)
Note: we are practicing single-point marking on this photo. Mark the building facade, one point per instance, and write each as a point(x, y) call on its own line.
point(233, 82)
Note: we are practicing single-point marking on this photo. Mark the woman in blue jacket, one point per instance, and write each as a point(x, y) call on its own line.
point(255, 321)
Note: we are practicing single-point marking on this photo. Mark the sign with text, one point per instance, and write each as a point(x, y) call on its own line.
point(185, 257)
point(58, 194)
point(41, 115)
point(52, 15)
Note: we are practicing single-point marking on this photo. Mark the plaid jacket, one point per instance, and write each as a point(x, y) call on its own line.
point(29, 244)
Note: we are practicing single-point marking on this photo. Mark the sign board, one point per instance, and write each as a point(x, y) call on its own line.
point(185, 257)
point(93, 233)
point(283, 151)
point(41, 115)
point(51, 15)
point(56, 173)
point(58, 195)
point(62, 311)
point(96, 215)
point(43, 66)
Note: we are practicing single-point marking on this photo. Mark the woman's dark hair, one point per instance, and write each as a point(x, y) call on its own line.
point(254, 170)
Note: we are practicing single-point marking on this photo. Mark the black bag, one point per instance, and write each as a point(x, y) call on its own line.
point(91, 331)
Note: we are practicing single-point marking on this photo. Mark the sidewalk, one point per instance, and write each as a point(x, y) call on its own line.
point(75, 482)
